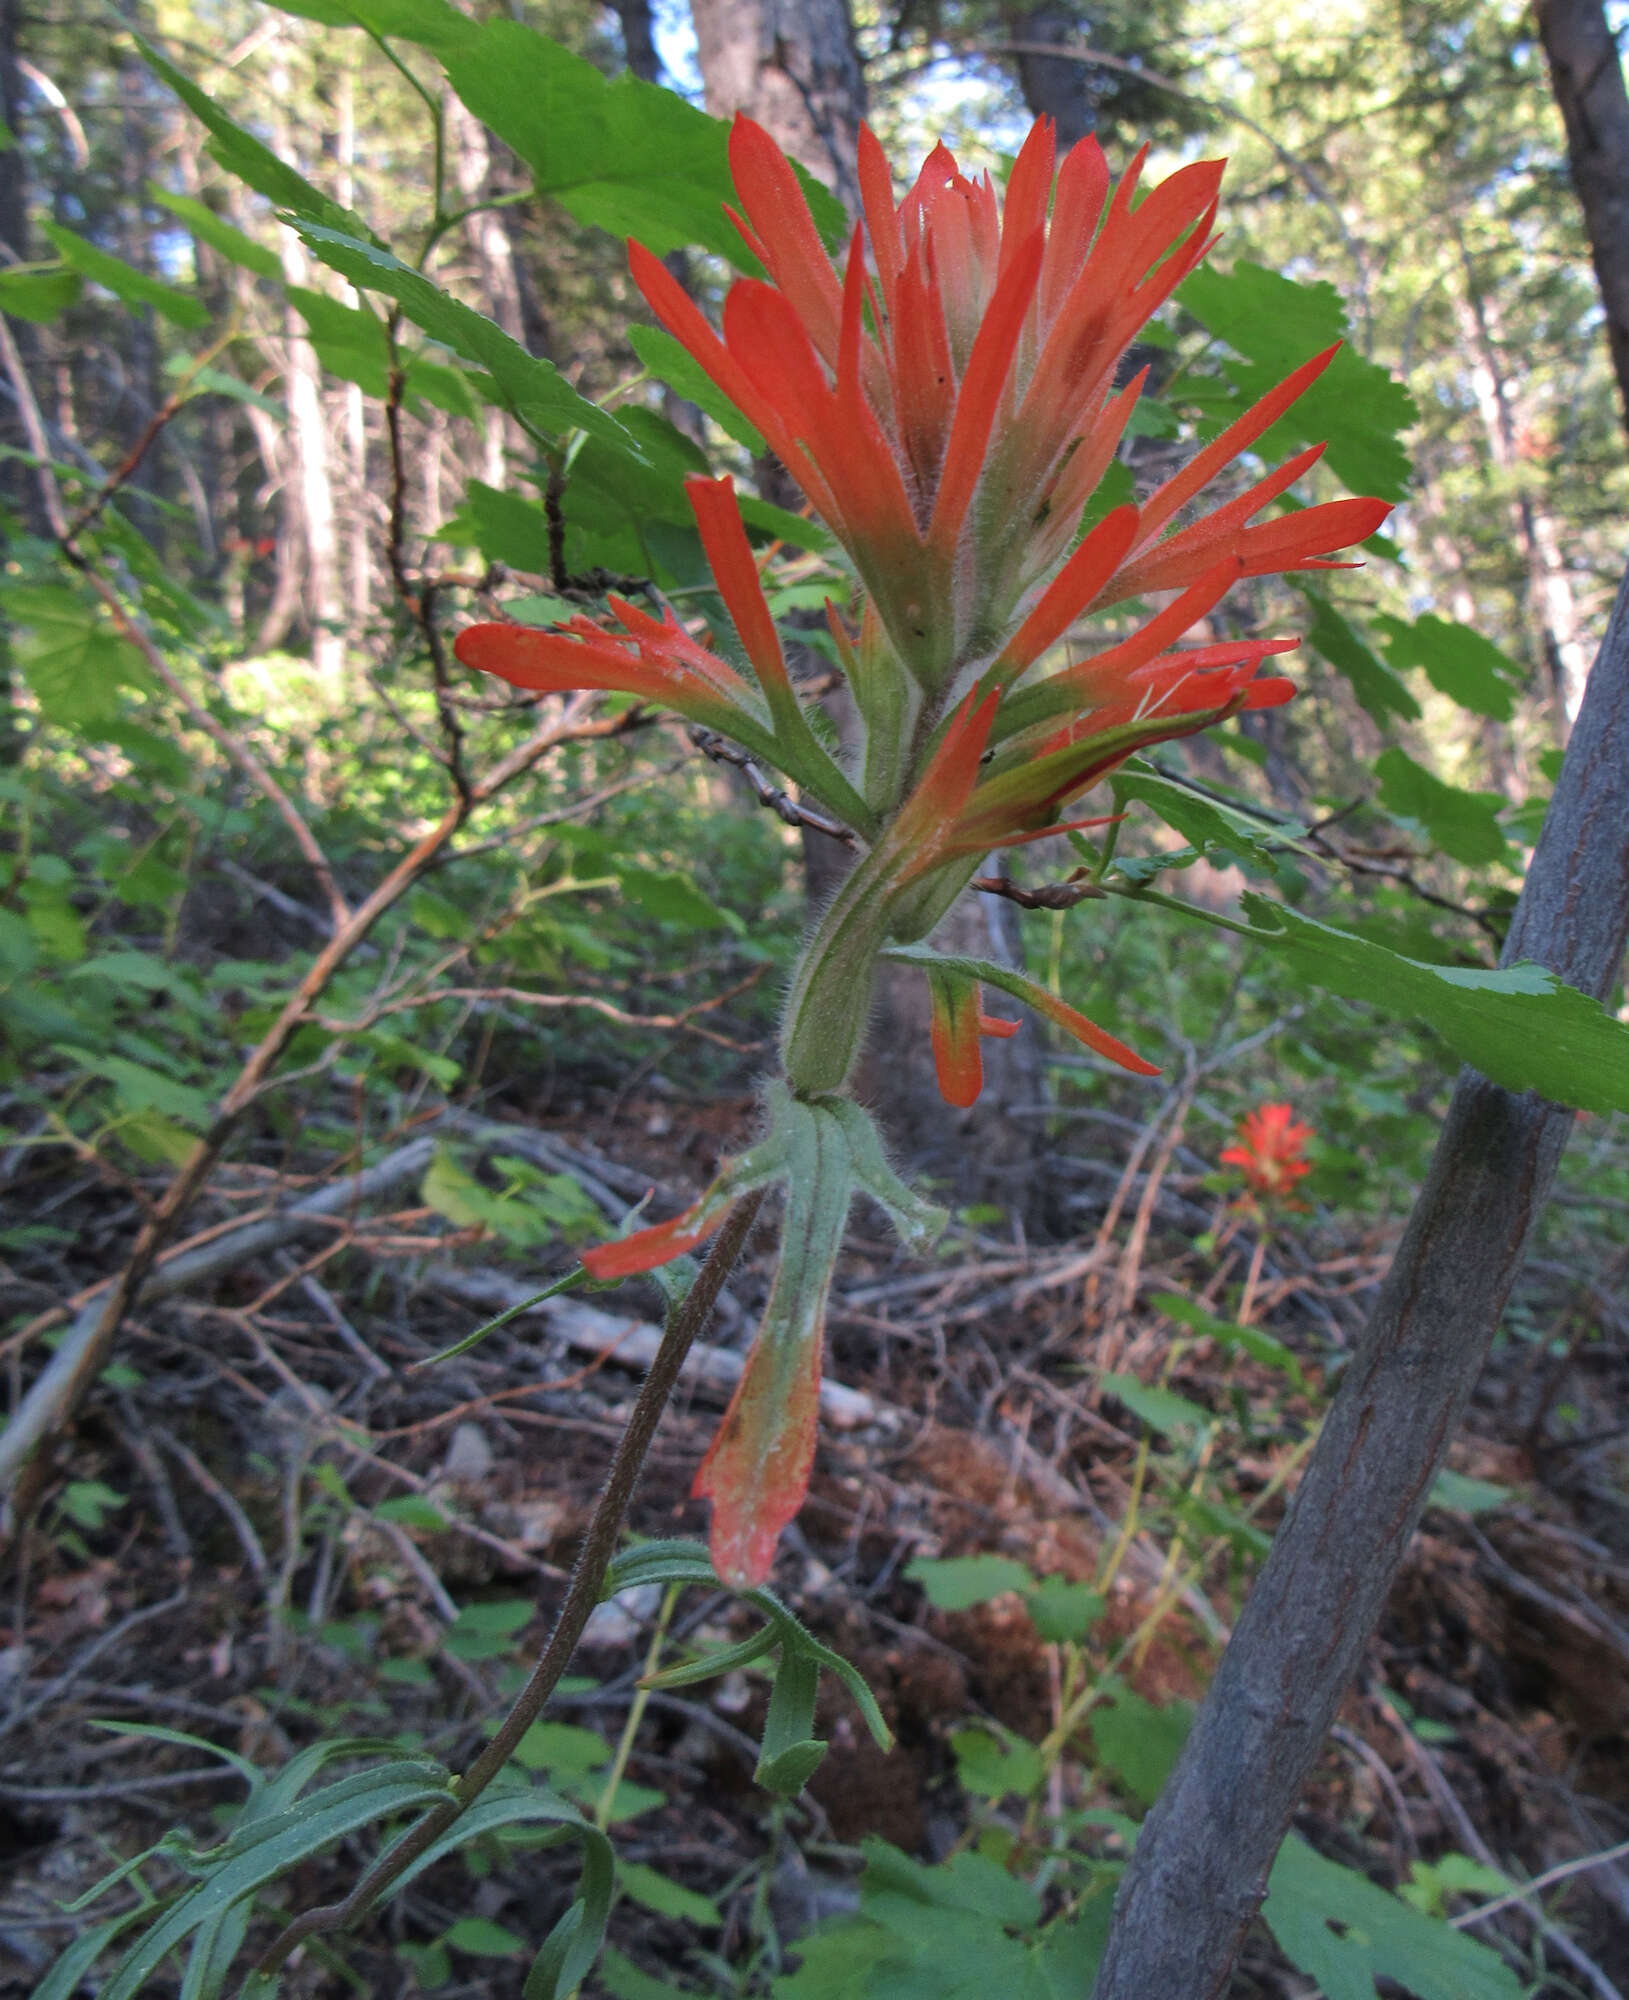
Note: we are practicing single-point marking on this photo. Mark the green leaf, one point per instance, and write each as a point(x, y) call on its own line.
point(1521, 1026)
point(1209, 826)
point(621, 154)
point(262, 1850)
point(1160, 1409)
point(1276, 323)
point(70, 656)
point(1258, 1345)
point(412, 1510)
point(482, 1938)
point(623, 1980)
point(672, 898)
point(533, 389)
point(39, 293)
point(1138, 1741)
point(1343, 1931)
point(789, 1752)
point(125, 281)
point(506, 527)
point(1465, 825)
point(1380, 693)
point(708, 1666)
point(1458, 1493)
point(1062, 1611)
point(145, 1089)
point(432, 24)
point(563, 1747)
point(1458, 662)
point(244, 156)
point(673, 364)
point(997, 1767)
point(957, 1583)
point(658, 1892)
point(221, 236)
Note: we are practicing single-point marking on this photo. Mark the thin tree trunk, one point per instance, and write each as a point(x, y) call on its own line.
point(1201, 1863)
point(1055, 87)
point(1588, 82)
point(1550, 609)
point(308, 493)
point(17, 489)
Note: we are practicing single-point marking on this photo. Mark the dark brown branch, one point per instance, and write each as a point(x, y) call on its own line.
point(1201, 1863)
point(1062, 895)
point(722, 751)
point(583, 1593)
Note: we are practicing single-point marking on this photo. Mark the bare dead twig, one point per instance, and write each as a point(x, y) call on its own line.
point(785, 809)
point(1074, 888)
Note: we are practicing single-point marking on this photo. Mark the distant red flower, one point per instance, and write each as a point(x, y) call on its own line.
point(1269, 1154)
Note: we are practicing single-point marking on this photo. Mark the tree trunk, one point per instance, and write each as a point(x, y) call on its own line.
point(308, 490)
point(1201, 1863)
point(1588, 82)
point(793, 66)
point(1550, 610)
point(1053, 87)
point(18, 490)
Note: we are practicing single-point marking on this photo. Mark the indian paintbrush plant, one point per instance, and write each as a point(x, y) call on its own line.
point(949, 399)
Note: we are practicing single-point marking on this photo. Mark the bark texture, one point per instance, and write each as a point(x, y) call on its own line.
point(792, 65)
point(1588, 82)
point(1200, 1868)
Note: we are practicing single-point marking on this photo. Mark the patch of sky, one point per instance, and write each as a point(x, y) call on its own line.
point(675, 38)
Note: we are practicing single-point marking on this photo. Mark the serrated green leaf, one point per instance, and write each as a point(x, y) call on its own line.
point(997, 1767)
point(1521, 1026)
point(1276, 323)
point(1458, 662)
point(672, 898)
point(620, 153)
point(71, 658)
point(674, 365)
point(253, 164)
point(1345, 1932)
point(1209, 826)
point(1379, 692)
point(1139, 1741)
point(957, 1583)
point(222, 237)
point(125, 281)
point(1062, 1611)
point(532, 388)
point(432, 24)
point(1465, 825)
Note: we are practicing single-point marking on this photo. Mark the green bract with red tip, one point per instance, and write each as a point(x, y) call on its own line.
point(947, 399)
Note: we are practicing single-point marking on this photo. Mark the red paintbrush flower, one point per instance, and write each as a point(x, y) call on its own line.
point(950, 406)
point(947, 400)
point(1269, 1152)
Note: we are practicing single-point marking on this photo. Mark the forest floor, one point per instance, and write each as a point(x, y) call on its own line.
point(229, 1545)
